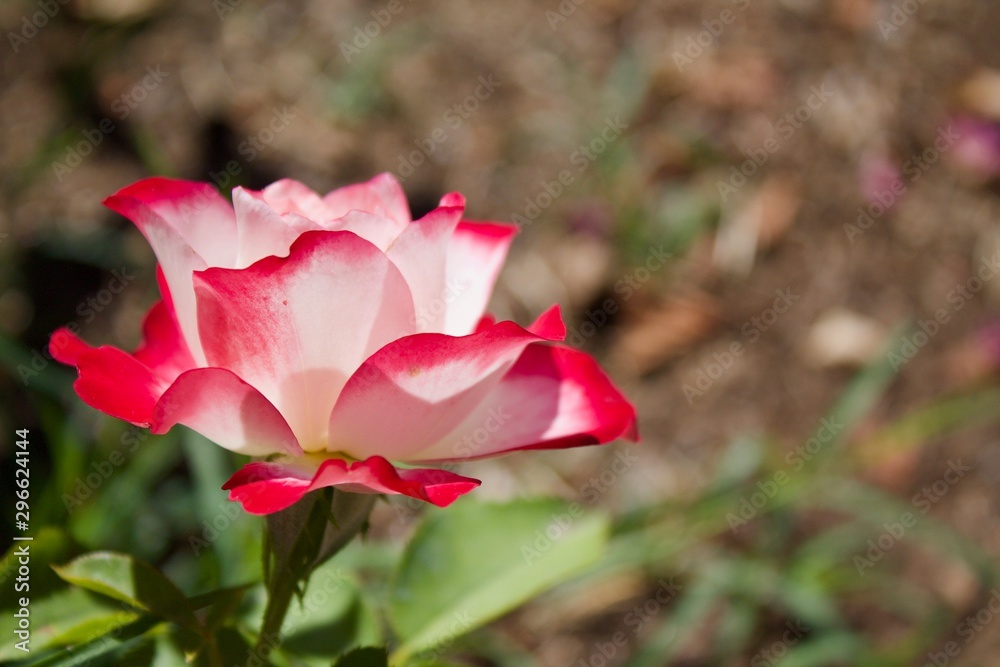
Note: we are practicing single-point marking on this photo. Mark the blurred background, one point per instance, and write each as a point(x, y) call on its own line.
point(775, 222)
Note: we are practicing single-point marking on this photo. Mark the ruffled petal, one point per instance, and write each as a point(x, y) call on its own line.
point(212, 401)
point(553, 397)
point(476, 254)
point(227, 411)
point(266, 487)
point(381, 196)
point(117, 384)
point(189, 227)
point(420, 253)
point(163, 347)
point(416, 390)
point(262, 230)
point(291, 196)
point(297, 327)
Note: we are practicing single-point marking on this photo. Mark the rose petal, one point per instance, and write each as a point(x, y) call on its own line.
point(117, 384)
point(428, 383)
point(163, 349)
point(227, 411)
point(291, 196)
point(263, 231)
point(297, 327)
point(420, 253)
point(189, 226)
point(381, 196)
point(553, 397)
point(266, 487)
point(476, 254)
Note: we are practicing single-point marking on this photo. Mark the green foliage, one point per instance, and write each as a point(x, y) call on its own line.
point(478, 561)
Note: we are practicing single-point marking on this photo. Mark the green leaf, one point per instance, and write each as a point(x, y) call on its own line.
point(364, 657)
point(132, 581)
point(474, 562)
point(60, 614)
point(330, 618)
point(129, 645)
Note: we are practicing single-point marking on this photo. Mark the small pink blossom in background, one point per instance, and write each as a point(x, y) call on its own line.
point(336, 338)
point(880, 180)
point(977, 150)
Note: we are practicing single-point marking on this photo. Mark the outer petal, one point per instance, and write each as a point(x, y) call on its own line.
point(297, 327)
point(553, 397)
point(196, 211)
point(189, 226)
point(416, 390)
point(420, 253)
point(382, 196)
point(226, 410)
point(116, 383)
point(476, 254)
point(163, 348)
point(263, 488)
